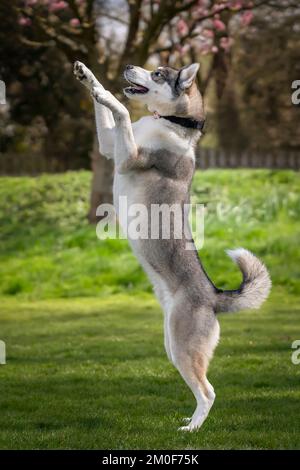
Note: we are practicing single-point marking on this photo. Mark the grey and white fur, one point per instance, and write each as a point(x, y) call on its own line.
point(154, 164)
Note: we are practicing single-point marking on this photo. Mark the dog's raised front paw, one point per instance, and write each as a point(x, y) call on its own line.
point(85, 76)
point(79, 71)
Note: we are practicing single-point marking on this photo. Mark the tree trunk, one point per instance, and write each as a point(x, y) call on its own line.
point(101, 189)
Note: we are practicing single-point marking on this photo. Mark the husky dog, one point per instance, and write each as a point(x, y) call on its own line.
point(154, 164)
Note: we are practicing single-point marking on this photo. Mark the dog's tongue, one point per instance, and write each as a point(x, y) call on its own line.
point(139, 87)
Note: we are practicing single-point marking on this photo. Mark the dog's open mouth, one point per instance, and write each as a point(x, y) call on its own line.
point(136, 89)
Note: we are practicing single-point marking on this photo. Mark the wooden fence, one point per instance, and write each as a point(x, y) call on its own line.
point(210, 158)
point(33, 164)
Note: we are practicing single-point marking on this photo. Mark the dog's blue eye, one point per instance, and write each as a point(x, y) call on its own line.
point(158, 74)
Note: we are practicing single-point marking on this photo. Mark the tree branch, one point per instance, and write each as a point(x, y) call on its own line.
point(73, 6)
point(198, 21)
point(115, 18)
point(134, 21)
point(185, 7)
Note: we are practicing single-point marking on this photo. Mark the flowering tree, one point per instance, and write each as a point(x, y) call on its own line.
point(106, 35)
point(139, 30)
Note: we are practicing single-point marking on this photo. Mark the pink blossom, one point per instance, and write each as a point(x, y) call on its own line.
point(219, 25)
point(30, 3)
point(247, 17)
point(57, 6)
point(214, 49)
point(186, 48)
point(205, 49)
point(182, 27)
point(182, 49)
point(218, 7)
point(74, 22)
point(207, 33)
point(200, 10)
point(236, 4)
point(226, 43)
point(23, 21)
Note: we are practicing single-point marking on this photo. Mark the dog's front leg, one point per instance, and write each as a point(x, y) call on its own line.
point(136, 162)
point(125, 147)
point(105, 123)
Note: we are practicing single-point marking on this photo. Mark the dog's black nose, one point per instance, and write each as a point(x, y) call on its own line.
point(128, 67)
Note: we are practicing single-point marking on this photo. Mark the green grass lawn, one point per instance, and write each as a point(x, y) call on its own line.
point(86, 366)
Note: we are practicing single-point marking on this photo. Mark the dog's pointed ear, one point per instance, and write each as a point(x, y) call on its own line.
point(187, 75)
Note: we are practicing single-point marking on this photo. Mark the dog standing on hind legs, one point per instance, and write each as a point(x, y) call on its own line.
point(155, 163)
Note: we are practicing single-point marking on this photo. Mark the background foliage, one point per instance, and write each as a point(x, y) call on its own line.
point(248, 51)
point(48, 249)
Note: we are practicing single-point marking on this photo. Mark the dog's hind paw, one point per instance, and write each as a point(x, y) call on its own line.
point(187, 428)
point(186, 420)
point(190, 427)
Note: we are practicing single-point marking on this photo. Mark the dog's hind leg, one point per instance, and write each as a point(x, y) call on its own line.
point(105, 123)
point(202, 390)
point(166, 301)
point(193, 337)
point(164, 297)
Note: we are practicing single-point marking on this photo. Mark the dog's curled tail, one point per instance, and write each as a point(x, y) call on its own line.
point(255, 286)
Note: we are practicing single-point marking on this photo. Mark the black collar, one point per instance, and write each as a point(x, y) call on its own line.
point(186, 122)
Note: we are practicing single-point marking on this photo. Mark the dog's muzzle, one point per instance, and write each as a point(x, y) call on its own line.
point(135, 88)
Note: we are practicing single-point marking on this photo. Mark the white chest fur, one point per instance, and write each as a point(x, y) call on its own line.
point(156, 134)
point(151, 134)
